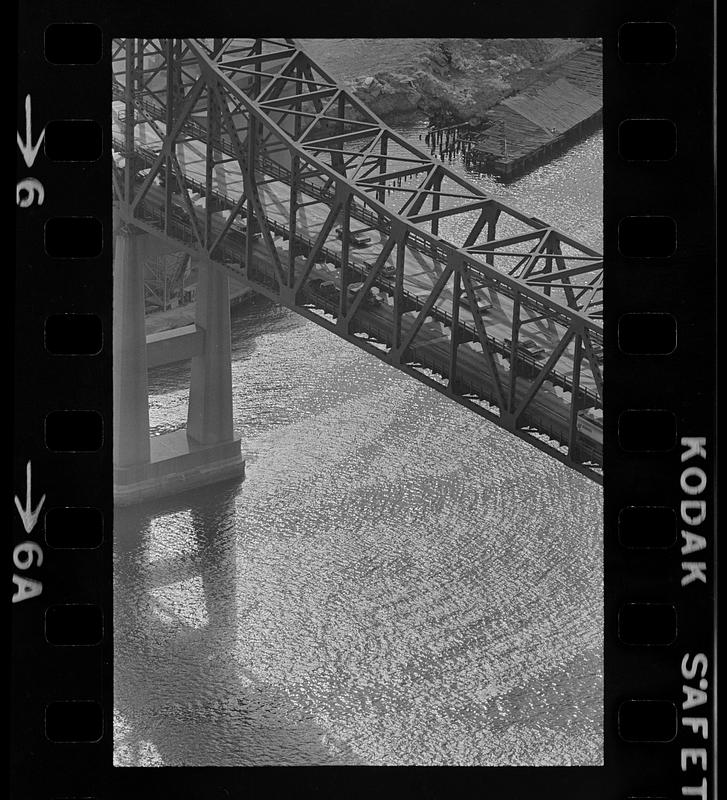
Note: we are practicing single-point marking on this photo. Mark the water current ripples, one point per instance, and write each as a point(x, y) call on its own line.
point(397, 581)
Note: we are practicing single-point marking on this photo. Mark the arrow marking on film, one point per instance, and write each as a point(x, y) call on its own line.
point(27, 514)
point(27, 148)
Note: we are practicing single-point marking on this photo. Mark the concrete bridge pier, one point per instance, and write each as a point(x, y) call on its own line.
point(209, 415)
point(131, 396)
point(207, 451)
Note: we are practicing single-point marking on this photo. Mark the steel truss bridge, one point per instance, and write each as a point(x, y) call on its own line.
point(249, 156)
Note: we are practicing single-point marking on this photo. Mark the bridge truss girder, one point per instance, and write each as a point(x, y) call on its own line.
point(220, 139)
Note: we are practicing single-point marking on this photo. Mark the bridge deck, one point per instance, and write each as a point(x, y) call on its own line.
point(420, 270)
point(420, 274)
point(549, 358)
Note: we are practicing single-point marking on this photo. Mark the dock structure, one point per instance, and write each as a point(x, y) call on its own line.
point(543, 120)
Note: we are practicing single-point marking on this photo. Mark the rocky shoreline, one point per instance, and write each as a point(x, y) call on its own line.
point(449, 80)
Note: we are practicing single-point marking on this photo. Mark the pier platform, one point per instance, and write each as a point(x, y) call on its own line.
point(543, 120)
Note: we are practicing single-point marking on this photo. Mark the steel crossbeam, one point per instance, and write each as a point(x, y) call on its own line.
point(248, 152)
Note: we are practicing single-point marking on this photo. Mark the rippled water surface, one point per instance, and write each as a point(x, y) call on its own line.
point(397, 581)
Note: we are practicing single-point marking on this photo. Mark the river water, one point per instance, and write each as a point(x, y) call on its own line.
point(397, 581)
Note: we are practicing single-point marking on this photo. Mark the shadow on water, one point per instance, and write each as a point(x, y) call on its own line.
point(181, 695)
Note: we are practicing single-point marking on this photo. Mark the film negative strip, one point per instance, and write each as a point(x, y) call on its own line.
point(487, 564)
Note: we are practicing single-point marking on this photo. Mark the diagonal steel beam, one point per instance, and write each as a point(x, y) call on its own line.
point(323, 234)
point(371, 277)
point(427, 307)
point(484, 341)
point(528, 293)
point(546, 369)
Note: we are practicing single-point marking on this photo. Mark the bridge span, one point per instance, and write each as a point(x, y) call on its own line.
point(250, 157)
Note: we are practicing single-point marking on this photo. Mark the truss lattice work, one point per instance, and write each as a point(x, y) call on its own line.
point(247, 154)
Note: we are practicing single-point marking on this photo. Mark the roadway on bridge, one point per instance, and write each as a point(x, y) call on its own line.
point(420, 274)
point(420, 270)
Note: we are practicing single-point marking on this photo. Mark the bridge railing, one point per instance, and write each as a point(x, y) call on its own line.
point(180, 229)
point(426, 245)
point(559, 378)
point(522, 380)
point(419, 354)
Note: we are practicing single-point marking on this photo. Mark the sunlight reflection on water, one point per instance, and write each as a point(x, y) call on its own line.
point(397, 581)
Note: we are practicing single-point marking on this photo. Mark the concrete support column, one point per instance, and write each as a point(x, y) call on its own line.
point(131, 397)
point(209, 416)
